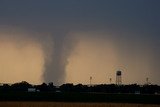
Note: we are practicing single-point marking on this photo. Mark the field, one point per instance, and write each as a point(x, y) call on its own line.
point(80, 97)
point(64, 104)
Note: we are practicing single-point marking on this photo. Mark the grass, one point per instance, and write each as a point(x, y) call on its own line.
point(64, 104)
point(80, 97)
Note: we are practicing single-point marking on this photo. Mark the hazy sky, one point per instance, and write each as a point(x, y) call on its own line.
point(63, 41)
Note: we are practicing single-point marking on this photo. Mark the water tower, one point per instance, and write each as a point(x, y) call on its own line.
point(118, 77)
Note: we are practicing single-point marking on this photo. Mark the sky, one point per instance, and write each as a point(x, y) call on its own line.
point(67, 41)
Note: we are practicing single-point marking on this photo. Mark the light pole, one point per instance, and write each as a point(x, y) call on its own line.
point(90, 80)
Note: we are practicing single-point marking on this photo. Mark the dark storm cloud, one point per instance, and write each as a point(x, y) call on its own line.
point(134, 26)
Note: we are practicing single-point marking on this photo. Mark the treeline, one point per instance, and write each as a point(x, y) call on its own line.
point(102, 88)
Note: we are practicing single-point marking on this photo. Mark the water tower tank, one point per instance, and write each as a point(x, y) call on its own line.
point(119, 73)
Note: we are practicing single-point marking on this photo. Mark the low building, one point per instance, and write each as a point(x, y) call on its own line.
point(32, 90)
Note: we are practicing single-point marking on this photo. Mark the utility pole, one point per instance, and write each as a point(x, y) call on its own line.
point(110, 80)
point(90, 80)
point(147, 81)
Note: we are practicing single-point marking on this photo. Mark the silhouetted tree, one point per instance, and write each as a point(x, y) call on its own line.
point(22, 86)
point(43, 87)
point(67, 87)
point(51, 87)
